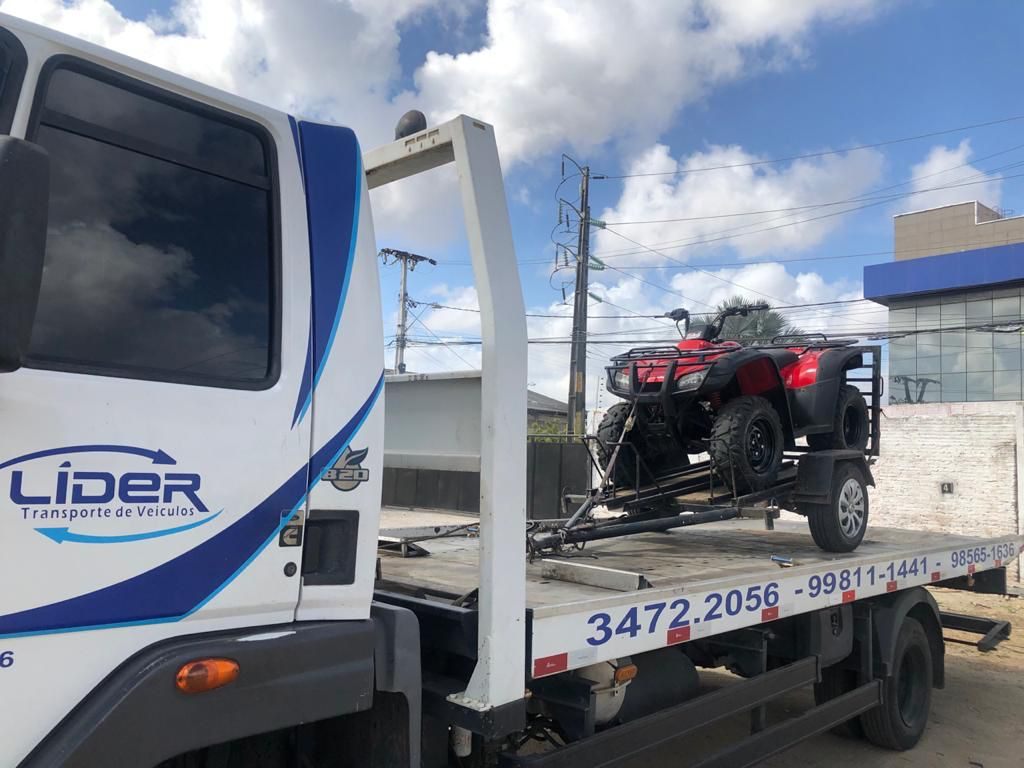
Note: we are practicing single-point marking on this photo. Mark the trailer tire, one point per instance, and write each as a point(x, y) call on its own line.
point(746, 443)
point(898, 722)
point(840, 524)
point(836, 681)
point(850, 424)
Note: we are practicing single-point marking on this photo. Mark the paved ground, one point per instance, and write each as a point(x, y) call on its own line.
point(977, 721)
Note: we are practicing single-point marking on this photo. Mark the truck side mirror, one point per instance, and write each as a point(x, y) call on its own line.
point(24, 202)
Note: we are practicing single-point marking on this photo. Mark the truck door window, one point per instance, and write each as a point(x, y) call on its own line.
point(12, 70)
point(161, 249)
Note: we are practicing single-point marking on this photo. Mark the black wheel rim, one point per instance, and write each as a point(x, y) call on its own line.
point(910, 687)
point(760, 445)
point(851, 426)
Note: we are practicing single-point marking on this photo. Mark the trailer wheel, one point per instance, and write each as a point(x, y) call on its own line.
point(840, 524)
point(746, 443)
point(849, 424)
point(898, 722)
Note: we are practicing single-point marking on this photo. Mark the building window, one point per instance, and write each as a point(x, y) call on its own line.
point(160, 258)
point(950, 359)
point(1006, 385)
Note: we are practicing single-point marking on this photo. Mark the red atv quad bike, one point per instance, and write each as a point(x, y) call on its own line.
point(743, 406)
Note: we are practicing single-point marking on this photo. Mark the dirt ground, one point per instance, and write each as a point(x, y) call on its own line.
point(977, 721)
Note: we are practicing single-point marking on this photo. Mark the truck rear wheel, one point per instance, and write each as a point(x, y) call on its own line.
point(849, 424)
point(835, 681)
point(747, 443)
point(898, 722)
point(839, 525)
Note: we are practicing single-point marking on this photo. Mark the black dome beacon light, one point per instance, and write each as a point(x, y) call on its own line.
point(411, 122)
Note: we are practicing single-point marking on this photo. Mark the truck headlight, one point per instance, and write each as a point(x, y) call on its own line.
point(691, 380)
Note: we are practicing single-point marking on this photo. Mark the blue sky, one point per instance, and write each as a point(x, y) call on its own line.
point(652, 87)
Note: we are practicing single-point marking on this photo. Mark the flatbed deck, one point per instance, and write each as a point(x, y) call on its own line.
point(628, 595)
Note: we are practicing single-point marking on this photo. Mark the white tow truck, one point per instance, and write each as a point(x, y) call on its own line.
point(192, 434)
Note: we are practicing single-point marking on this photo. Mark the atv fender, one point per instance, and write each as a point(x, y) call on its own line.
point(814, 406)
point(756, 372)
point(815, 471)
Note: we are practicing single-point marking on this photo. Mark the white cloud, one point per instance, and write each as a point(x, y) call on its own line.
point(947, 167)
point(768, 187)
point(332, 59)
point(549, 74)
point(588, 72)
point(562, 72)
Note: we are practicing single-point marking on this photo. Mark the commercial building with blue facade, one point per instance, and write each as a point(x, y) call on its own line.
point(957, 285)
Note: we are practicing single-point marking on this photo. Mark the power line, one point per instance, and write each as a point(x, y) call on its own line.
point(707, 240)
point(830, 204)
point(434, 305)
point(690, 266)
point(442, 341)
point(724, 234)
point(1006, 326)
point(637, 315)
point(823, 153)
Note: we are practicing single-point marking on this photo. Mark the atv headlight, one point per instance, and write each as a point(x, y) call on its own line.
point(691, 380)
point(621, 378)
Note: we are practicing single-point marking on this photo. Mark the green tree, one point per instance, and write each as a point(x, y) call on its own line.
point(760, 325)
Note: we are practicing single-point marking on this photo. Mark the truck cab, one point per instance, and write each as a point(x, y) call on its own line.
point(190, 463)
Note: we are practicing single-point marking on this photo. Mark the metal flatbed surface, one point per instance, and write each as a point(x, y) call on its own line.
point(696, 582)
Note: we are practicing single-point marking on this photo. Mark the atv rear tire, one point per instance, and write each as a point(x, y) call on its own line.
point(849, 423)
point(746, 444)
point(654, 462)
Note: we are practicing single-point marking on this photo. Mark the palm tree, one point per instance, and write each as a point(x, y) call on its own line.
point(759, 325)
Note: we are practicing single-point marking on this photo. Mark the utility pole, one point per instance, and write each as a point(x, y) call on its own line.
point(578, 355)
point(409, 262)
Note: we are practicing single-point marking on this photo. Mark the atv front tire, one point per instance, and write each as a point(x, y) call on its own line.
point(747, 443)
point(608, 434)
point(655, 459)
point(849, 423)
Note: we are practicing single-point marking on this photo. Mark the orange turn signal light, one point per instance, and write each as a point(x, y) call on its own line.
point(205, 674)
point(625, 673)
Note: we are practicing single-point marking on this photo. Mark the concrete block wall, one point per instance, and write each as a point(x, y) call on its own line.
point(978, 447)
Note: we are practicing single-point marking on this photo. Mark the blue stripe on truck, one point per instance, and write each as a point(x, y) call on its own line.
point(333, 172)
point(182, 586)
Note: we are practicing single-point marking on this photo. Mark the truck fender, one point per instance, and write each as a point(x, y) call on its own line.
point(888, 613)
point(289, 674)
point(397, 670)
point(815, 471)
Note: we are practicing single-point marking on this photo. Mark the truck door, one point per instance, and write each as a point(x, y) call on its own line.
point(152, 468)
